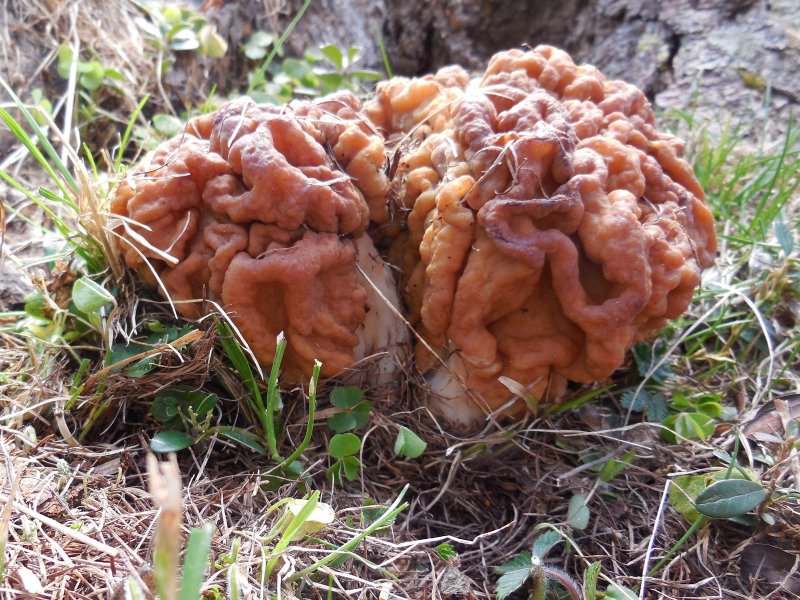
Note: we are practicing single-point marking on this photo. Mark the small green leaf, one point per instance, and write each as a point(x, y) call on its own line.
point(366, 74)
point(195, 562)
point(331, 81)
point(409, 444)
point(342, 422)
point(170, 441)
point(254, 52)
point(680, 401)
point(64, 61)
point(634, 402)
point(520, 561)
point(578, 512)
point(114, 74)
point(514, 574)
point(361, 416)
point(689, 426)
point(168, 125)
point(122, 351)
point(446, 552)
point(243, 437)
point(172, 14)
point(614, 467)
point(183, 40)
point(658, 409)
point(351, 466)
point(295, 69)
point(545, 542)
point(334, 473)
point(646, 356)
point(620, 592)
point(212, 44)
point(334, 55)
point(709, 406)
point(35, 305)
point(344, 444)
point(261, 38)
point(683, 492)
point(202, 403)
point(590, 576)
point(166, 404)
point(346, 396)
point(730, 498)
point(164, 408)
point(785, 237)
point(89, 296)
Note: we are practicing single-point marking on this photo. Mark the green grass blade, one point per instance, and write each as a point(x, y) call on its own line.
point(312, 406)
point(195, 561)
point(294, 526)
point(51, 152)
point(273, 395)
point(58, 223)
point(25, 140)
point(773, 169)
point(127, 135)
point(258, 78)
point(92, 163)
point(384, 55)
point(237, 357)
point(395, 509)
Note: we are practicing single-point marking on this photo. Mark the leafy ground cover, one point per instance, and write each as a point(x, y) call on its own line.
point(678, 478)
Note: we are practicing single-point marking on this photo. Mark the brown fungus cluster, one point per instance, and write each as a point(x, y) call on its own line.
point(263, 210)
point(540, 222)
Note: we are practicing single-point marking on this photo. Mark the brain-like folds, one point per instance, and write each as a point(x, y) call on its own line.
point(541, 225)
point(550, 227)
point(263, 209)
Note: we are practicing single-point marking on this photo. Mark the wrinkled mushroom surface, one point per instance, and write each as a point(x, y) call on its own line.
point(541, 224)
point(263, 209)
point(551, 227)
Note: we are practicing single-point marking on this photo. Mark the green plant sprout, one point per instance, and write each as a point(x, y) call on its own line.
point(343, 447)
point(188, 412)
point(319, 72)
point(180, 29)
point(354, 409)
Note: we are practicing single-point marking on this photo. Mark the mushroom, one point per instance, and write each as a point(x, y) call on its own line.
point(401, 105)
point(541, 223)
point(551, 227)
point(263, 209)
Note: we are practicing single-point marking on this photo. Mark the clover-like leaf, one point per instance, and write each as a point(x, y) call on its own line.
point(409, 444)
point(348, 396)
point(90, 296)
point(344, 444)
point(578, 512)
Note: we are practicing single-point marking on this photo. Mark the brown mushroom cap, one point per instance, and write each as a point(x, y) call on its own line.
point(250, 207)
point(551, 227)
point(401, 105)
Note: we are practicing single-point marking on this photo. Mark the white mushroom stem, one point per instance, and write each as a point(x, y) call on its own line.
point(383, 337)
point(449, 395)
